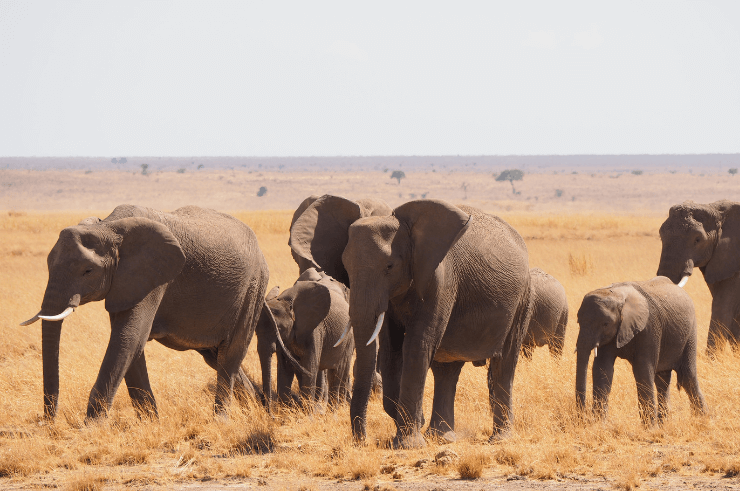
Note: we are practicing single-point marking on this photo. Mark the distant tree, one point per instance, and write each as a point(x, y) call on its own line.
point(637, 172)
point(181, 170)
point(122, 160)
point(144, 168)
point(262, 191)
point(558, 192)
point(398, 174)
point(511, 175)
point(200, 166)
point(464, 187)
point(113, 161)
point(732, 171)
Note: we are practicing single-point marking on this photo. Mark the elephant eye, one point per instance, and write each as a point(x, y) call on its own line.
point(698, 239)
point(87, 272)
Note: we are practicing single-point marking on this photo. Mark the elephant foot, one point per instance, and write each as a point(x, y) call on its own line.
point(409, 440)
point(500, 435)
point(442, 437)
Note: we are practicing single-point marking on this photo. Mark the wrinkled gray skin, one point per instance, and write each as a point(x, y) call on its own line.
point(310, 317)
point(652, 325)
point(707, 237)
point(454, 286)
point(549, 314)
point(190, 279)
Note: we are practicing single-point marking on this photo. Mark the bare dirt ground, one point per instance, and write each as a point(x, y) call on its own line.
point(554, 191)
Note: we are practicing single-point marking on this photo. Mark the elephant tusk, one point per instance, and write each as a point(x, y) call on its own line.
point(377, 328)
point(31, 320)
point(59, 317)
point(346, 330)
point(596, 352)
point(683, 281)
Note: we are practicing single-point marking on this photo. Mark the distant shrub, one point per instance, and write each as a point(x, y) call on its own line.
point(732, 171)
point(88, 171)
point(200, 166)
point(637, 172)
point(558, 192)
point(122, 160)
point(181, 170)
point(673, 171)
point(398, 174)
point(144, 168)
point(113, 161)
point(262, 191)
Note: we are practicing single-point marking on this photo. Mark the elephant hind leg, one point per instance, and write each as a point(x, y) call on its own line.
point(442, 423)
point(139, 389)
point(688, 379)
point(244, 388)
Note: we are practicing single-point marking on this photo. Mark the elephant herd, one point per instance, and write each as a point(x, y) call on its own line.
point(433, 286)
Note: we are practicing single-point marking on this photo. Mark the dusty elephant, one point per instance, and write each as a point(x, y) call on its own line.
point(309, 317)
point(707, 237)
point(549, 314)
point(190, 279)
point(441, 285)
point(652, 325)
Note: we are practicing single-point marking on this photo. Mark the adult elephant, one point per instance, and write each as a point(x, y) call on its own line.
point(442, 285)
point(322, 235)
point(707, 236)
point(190, 279)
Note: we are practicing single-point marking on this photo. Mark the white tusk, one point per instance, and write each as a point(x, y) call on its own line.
point(596, 352)
point(377, 328)
point(59, 317)
point(683, 281)
point(346, 330)
point(31, 320)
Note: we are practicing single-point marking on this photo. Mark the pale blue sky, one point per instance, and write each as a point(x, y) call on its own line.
point(386, 78)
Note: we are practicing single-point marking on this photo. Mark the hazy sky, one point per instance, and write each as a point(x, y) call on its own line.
point(382, 78)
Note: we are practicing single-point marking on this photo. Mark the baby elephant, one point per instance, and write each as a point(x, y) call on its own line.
point(310, 317)
point(652, 325)
point(549, 317)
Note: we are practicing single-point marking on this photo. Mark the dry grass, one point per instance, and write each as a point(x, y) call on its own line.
point(188, 442)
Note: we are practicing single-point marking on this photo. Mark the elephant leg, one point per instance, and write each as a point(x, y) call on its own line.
point(688, 379)
point(391, 365)
point(557, 340)
point(137, 382)
point(129, 333)
point(723, 325)
point(322, 380)
point(645, 379)
point(243, 387)
point(602, 376)
point(442, 423)
point(662, 385)
point(500, 384)
point(265, 353)
point(285, 375)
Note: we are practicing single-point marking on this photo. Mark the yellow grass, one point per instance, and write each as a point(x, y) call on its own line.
point(188, 442)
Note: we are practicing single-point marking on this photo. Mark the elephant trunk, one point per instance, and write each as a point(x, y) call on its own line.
point(50, 333)
point(581, 375)
point(364, 314)
point(673, 268)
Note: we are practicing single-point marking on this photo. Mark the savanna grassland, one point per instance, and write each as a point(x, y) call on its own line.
point(189, 447)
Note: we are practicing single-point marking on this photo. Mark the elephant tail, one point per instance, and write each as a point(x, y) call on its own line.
point(279, 338)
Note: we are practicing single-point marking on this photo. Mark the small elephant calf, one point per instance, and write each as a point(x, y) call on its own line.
point(549, 317)
point(310, 318)
point(652, 325)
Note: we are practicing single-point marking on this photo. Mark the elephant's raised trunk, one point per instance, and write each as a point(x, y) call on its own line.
point(50, 334)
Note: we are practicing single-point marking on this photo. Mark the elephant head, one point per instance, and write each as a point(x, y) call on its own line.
point(703, 236)
point(609, 315)
point(318, 231)
point(121, 261)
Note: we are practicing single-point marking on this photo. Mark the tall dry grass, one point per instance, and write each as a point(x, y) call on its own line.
point(187, 442)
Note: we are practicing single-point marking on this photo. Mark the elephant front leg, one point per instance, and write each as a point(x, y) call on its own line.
point(602, 376)
point(662, 384)
point(139, 389)
point(442, 423)
point(723, 325)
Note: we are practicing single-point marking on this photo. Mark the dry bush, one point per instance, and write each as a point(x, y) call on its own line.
point(472, 464)
point(86, 483)
point(580, 264)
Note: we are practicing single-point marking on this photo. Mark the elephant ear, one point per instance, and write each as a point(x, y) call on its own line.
point(635, 313)
point(272, 293)
point(311, 305)
point(725, 261)
point(320, 234)
point(148, 256)
point(435, 227)
point(310, 275)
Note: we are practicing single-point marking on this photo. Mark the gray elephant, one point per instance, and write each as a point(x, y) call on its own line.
point(309, 317)
point(652, 325)
point(707, 237)
point(435, 285)
point(190, 279)
point(549, 314)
